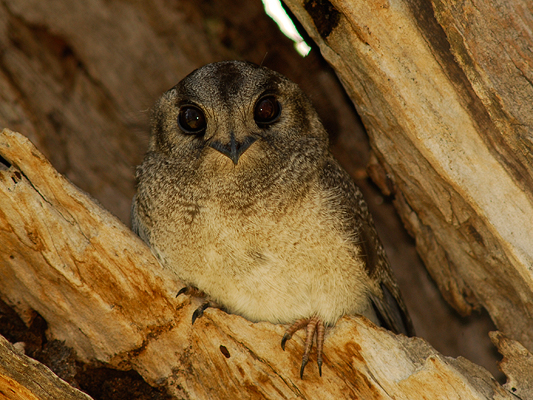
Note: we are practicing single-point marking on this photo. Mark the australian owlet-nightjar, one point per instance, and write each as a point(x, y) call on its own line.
point(239, 195)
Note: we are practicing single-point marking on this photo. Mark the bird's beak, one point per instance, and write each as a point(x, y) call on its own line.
point(234, 149)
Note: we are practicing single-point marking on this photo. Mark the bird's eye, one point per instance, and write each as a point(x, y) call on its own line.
point(191, 120)
point(267, 111)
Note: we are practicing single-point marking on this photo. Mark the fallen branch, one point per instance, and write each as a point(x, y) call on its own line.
point(102, 292)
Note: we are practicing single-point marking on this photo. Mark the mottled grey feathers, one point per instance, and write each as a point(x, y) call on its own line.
point(260, 217)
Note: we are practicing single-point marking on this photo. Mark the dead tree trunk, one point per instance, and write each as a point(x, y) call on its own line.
point(444, 90)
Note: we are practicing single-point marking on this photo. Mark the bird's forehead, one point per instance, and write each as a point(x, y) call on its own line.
point(230, 82)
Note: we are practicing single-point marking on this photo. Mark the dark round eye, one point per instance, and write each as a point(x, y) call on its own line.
point(267, 110)
point(191, 120)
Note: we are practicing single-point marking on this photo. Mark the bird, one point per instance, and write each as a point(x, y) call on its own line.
point(240, 196)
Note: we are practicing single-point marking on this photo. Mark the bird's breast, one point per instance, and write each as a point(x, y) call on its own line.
point(269, 265)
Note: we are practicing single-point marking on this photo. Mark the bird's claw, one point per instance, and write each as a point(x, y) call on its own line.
point(200, 311)
point(314, 327)
point(305, 360)
point(192, 291)
point(284, 339)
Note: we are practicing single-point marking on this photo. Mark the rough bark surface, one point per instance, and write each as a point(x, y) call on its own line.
point(517, 364)
point(22, 378)
point(444, 90)
point(103, 293)
point(78, 81)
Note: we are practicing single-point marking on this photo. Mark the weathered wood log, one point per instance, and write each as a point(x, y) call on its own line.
point(447, 104)
point(517, 364)
point(77, 80)
point(104, 294)
point(22, 378)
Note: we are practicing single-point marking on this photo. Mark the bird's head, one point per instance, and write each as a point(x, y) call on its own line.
point(233, 116)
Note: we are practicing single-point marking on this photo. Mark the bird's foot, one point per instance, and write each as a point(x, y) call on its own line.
point(192, 291)
point(314, 328)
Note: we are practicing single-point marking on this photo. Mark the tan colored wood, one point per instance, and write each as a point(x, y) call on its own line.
point(447, 103)
point(517, 364)
point(79, 80)
point(22, 378)
point(103, 293)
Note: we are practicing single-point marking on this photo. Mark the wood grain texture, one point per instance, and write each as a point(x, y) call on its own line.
point(79, 80)
point(22, 378)
point(103, 293)
point(491, 42)
point(444, 102)
point(517, 364)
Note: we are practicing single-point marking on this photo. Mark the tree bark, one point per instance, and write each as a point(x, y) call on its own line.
point(102, 291)
point(444, 91)
point(22, 378)
point(78, 81)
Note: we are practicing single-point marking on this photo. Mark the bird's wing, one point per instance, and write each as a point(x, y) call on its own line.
point(358, 224)
point(137, 226)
